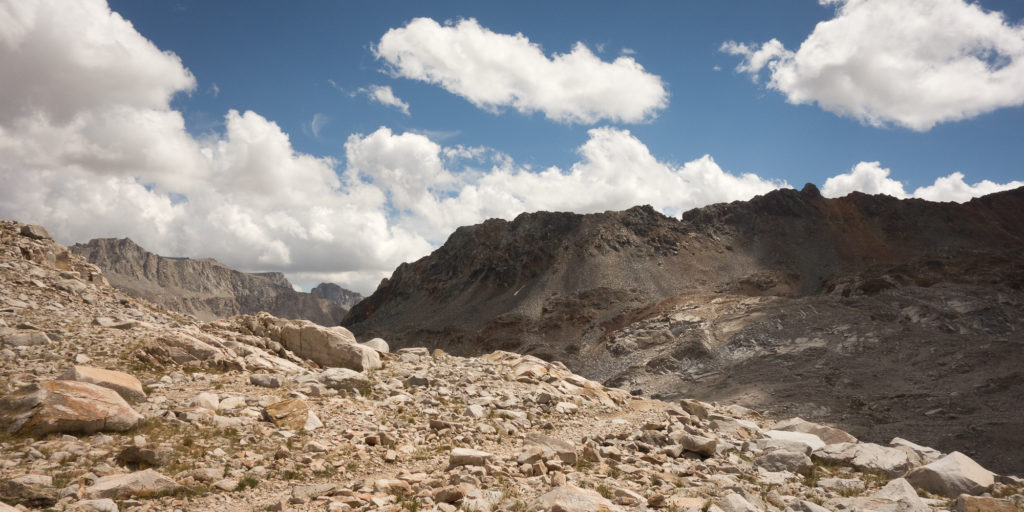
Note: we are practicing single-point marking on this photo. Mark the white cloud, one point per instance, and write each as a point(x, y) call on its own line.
point(317, 123)
point(385, 96)
point(866, 177)
point(493, 70)
point(953, 188)
point(616, 171)
point(905, 62)
point(872, 178)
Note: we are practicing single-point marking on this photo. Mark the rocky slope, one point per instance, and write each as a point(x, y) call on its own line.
point(203, 287)
point(879, 314)
point(337, 295)
point(109, 402)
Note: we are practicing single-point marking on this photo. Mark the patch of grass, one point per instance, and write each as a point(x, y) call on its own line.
point(248, 482)
point(604, 491)
point(584, 465)
point(290, 474)
point(614, 471)
point(410, 503)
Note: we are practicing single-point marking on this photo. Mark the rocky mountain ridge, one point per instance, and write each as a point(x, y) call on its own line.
point(337, 295)
point(203, 287)
point(878, 314)
point(113, 403)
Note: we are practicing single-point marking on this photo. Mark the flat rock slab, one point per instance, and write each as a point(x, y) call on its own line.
point(468, 457)
point(143, 484)
point(951, 476)
point(344, 379)
point(129, 387)
point(24, 338)
point(67, 407)
point(829, 435)
point(866, 456)
point(570, 498)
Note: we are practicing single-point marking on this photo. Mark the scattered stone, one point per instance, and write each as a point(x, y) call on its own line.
point(700, 445)
point(951, 476)
point(736, 503)
point(66, 406)
point(563, 449)
point(921, 455)
point(129, 387)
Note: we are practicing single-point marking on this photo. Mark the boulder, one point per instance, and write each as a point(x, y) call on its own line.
point(379, 345)
point(951, 476)
point(968, 503)
point(468, 457)
point(866, 456)
point(919, 454)
point(30, 490)
point(129, 387)
point(695, 408)
point(344, 379)
point(292, 414)
point(736, 503)
point(569, 498)
point(561, 448)
point(66, 406)
point(829, 435)
point(811, 441)
point(783, 460)
point(207, 400)
point(700, 445)
point(24, 338)
point(102, 505)
point(35, 232)
point(265, 381)
point(143, 484)
point(333, 347)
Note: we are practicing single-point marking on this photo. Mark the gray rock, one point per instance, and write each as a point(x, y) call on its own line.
point(695, 408)
point(830, 435)
point(736, 503)
point(379, 345)
point(35, 232)
point(866, 456)
point(344, 379)
point(919, 454)
point(31, 490)
point(697, 444)
point(569, 498)
point(951, 476)
point(24, 338)
point(564, 450)
point(146, 483)
point(782, 460)
point(265, 381)
point(331, 347)
point(468, 457)
point(66, 406)
point(101, 505)
point(126, 385)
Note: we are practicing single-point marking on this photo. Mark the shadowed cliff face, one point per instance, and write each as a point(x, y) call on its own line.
point(865, 310)
point(202, 287)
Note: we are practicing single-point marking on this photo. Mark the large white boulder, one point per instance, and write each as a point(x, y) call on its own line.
point(951, 476)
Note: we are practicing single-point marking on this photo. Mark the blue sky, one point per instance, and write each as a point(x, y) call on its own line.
point(278, 58)
point(334, 140)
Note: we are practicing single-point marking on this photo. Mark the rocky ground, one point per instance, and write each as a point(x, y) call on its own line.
point(112, 403)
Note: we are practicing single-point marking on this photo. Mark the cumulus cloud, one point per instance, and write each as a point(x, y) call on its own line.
point(902, 62)
point(493, 70)
point(872, 178)
point(385, 96)
point(615, 171)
